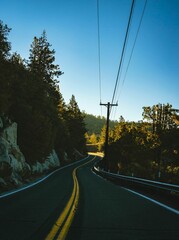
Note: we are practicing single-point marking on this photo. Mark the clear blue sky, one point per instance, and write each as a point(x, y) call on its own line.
point(71, 26)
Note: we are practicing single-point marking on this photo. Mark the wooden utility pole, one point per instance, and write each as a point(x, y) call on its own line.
point(108, 105)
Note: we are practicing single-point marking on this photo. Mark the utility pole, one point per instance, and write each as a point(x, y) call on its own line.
point(108, 105)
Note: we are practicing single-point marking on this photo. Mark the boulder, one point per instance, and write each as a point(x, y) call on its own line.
point(13, 166)
point(37, 168)
point(4, 147)
point(5, 166)
point(52, 161)
point(1, 123)
point(10, 134)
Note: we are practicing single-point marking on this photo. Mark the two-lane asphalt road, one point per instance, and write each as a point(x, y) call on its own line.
point(31, 213)
point(105, 211)
point(109, 212)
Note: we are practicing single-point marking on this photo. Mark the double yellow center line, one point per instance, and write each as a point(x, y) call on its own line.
point(63, 223)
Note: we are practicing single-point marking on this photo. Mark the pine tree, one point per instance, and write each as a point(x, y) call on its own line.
point(17, 60)
point(93, 138)
point(5, 68)
point(161, 116)
point(41, 60)
point(76, 126)
point(5, 46)
point(42, 64)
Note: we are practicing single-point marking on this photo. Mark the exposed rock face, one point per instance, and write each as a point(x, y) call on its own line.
point(4, 146)
point(13, 167)
point(5, 166)
point(52, 161)
point(1, 123)
point(10, 134)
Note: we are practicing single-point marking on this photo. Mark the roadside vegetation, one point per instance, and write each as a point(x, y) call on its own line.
point(30, 96)
point(147, 149)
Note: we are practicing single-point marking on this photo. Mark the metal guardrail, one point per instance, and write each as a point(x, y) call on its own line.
point(140, 182)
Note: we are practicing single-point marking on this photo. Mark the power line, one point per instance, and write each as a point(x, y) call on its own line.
point(133, 46)
point(99, 53)
point(99, 50)
point(135, 40)
point(123, 50)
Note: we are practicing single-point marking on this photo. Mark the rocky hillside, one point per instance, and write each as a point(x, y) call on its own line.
point(14, 170)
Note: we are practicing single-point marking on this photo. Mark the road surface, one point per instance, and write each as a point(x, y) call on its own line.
point(105, 211)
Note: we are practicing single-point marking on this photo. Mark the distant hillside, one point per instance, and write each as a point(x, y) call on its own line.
point(94, 124)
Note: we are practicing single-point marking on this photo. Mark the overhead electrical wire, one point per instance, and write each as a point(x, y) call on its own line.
point(123, 51)
point(135, 40)
point(133, 47)
point(99, 52)
point(122, 54)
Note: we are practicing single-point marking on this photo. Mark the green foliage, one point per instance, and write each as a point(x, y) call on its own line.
point(42, 60)
point(145, 149)
point(93, 139)
point(5, 86)
point(95, 124)
point(96, 130)
point(41, 63)
point(5, 46)
point(161, 116)
point(34, 113)
point(75, 123)
point(29, 95)
point(130, 152)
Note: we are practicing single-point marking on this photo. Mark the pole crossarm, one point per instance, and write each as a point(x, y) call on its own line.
point(110, 104)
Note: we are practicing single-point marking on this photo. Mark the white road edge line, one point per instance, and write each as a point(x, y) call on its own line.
point(143, 196)
point(104, 179)
point(152, 200)
point(3, 195)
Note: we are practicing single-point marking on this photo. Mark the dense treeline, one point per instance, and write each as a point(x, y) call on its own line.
point(96, 127)
point(30, 96)
point(94, 124)
point(147, 149)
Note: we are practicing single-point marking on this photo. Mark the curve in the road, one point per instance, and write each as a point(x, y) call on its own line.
point(7, 194)
point(63, 223)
